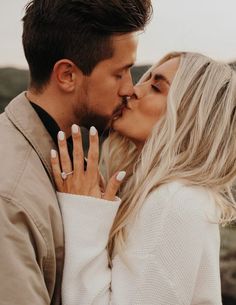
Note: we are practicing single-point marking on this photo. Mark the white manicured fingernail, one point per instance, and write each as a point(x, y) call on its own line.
point(93, 131)
point(53, 153)
point(121, 176)
point(75, 128)
point(61, 135)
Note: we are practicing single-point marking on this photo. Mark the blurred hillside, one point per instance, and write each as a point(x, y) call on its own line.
point(233, 65)
point(13, 81)
point(138, 71)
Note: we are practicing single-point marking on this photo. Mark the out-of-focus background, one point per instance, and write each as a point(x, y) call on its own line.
point(206, 26)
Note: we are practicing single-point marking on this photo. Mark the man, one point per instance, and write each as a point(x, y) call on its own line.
point(79, 55)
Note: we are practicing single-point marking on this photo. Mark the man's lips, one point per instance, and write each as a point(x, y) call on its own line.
point(119, 112)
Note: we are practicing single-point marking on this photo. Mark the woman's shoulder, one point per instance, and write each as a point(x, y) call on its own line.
point(177, 190)
point(179, 198)
point(181, 187)
point(171, 208)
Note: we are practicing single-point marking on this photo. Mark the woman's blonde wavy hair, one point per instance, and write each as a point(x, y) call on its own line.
point(195, 141)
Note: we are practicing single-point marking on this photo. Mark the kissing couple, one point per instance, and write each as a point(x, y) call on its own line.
point(137, 222)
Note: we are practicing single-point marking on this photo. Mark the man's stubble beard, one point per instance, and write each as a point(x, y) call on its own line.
point(86, 117)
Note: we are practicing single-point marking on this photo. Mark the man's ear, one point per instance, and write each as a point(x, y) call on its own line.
point(67, 75)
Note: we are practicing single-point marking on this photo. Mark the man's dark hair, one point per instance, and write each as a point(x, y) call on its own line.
point(78, 30)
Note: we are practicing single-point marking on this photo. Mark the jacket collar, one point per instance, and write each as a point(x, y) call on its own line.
point(23, 116)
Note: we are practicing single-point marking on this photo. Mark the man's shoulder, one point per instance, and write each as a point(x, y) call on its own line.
point(22, 174)
point(25, 185)
point(13, 153)
point(24, 150)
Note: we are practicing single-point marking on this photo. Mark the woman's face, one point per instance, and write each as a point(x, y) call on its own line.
point(148, 104)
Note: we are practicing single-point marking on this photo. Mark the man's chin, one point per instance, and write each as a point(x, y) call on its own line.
point(102, 123)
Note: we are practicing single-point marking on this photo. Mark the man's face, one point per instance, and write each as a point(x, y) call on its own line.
point(102, 92)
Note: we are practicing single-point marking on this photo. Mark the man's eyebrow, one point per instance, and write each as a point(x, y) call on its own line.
point(126, 67)
point(129, 65)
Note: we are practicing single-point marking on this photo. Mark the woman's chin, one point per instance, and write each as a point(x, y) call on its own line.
point(119, 125)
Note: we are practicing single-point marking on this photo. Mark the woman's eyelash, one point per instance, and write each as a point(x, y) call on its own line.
point(156, 88)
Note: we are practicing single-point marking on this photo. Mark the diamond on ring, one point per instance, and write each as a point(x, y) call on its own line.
point(64, 175)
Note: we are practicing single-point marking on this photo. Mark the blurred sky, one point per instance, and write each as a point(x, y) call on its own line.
point(206, 26)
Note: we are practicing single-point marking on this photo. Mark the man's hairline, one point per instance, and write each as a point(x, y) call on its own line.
point(111, 39)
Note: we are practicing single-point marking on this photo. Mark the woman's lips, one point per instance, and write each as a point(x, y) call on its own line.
point(119, 113)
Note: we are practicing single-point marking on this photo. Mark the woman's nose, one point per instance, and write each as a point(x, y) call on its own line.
point(140, 90)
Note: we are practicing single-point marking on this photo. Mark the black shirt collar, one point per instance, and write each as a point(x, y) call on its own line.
point(52, 127)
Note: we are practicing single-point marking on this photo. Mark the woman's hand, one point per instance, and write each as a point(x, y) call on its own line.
point(74, 179)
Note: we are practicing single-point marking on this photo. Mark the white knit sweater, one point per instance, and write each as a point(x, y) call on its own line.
point(171, 257)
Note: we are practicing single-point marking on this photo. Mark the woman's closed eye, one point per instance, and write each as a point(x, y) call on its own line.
point(156, 88)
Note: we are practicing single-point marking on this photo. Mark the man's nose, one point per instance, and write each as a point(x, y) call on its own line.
point(127, 87)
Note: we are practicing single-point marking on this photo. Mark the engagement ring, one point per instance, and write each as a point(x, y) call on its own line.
point(64, 175)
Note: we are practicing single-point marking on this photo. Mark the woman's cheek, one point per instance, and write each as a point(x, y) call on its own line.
point(154, 110)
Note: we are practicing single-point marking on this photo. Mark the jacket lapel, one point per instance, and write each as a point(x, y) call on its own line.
point(23, 116)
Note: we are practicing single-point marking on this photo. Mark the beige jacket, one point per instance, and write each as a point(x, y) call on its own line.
point(31, 231)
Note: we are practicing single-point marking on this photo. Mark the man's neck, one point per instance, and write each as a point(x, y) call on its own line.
point(51, 103)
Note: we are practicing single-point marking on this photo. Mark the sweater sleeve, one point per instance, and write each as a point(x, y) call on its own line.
point(87, 223)
point(160, 266)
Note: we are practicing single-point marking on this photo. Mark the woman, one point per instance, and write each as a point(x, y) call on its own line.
point(176, 142)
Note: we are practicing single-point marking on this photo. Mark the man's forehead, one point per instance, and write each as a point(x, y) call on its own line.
point(124, 50)
point(126, 36)
point(124, 64)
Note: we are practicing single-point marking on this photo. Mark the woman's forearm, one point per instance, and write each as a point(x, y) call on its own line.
point(87, 223)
